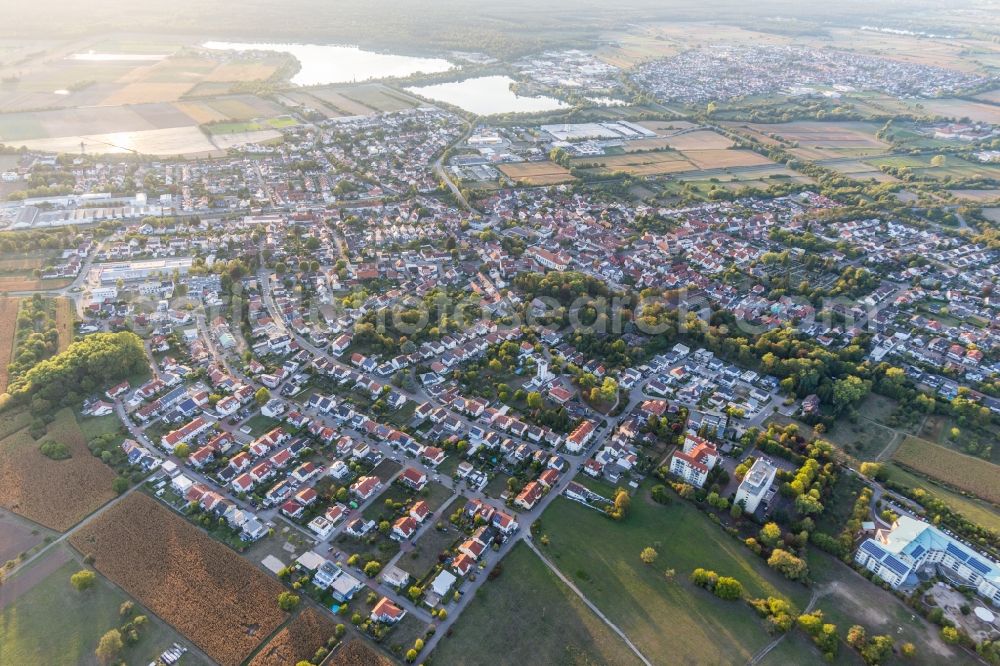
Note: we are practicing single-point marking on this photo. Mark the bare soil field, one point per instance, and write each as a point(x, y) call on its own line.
point(206, 591)
point(536, 173)
point(55, 493)
point(298, 641)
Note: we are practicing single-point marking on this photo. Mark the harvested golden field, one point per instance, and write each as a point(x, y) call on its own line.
point(147, 92)
point(298, 641)
point(537, 173)
point(979, 477)
point(203, 589)
point(700, 140)
point(64, 322)
point(25, 284)
point(55, 493)
point(21, 264)
point(8, 326)
point(724, 159)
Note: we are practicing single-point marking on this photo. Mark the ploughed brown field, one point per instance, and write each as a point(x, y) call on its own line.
point(203, 589)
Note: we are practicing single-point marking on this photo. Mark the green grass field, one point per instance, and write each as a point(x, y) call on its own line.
point(250, 125)
point(848, 599)
point(671, 622)
point(527, 616)
point(51, 623)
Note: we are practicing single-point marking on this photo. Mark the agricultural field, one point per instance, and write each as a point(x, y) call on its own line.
point(334, 98)
point(725, 159)
point(991, 96)
point(297, 641)
point(19, 537)
point(64, 321)
point(154, 128)
point(528, 616)
point(978, 511)
point(379, 97)
point(358, 653)
point(44, 620)
point(206, 591)
point(8, 323)
point(922, 166)
point(20, 265)
point(55, 493)
point(653, 163)
point(698, 140)
point(977, 196)
point(251, 125)
point(945, 107)
point(825, 140)
point(144, 71)
point(955, 469)
point(671, 622)
point(536, 173)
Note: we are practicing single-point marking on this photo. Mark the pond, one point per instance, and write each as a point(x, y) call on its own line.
point(487, 95)
point(324, 63)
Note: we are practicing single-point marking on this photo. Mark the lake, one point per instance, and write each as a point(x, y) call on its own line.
point(321, 64)
point(487, 95)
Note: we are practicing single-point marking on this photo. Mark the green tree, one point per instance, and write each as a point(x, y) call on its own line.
point(83, 580)
point(288, 601)
point(110, 646)
point(648, 555)
point(790, 566)
point(728, 588)
point(182, 450)
point(770, 534)
point(262, 396)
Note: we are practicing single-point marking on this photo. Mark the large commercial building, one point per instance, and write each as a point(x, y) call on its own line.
point(755, 484)
point(895, 555)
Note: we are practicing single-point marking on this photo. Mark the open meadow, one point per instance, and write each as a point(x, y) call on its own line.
point(205, 590)
point(670, 621)
point(54, 493)
point(44, 620)
point(528, 616)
